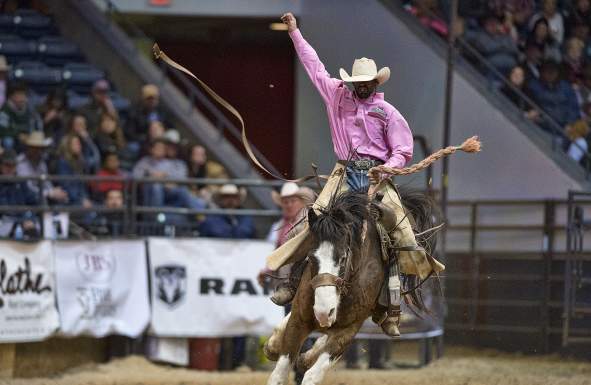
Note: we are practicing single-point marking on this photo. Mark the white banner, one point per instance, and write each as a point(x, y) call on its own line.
point(27, 292)
point(208, 288)
point(102, 288)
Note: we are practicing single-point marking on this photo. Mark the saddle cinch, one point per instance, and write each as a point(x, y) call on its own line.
point(412, 259)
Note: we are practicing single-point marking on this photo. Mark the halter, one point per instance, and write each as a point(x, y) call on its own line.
point(327, 279)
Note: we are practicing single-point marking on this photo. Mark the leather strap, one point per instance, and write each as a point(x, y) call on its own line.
point(159, 54)
point(326, 279)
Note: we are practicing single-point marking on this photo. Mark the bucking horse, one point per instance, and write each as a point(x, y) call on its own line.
point(341, 283)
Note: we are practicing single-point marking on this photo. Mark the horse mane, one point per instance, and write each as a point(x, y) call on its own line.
point(344, 216)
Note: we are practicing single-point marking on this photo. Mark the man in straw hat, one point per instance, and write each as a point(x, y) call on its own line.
point(32, 163)
point(229, 196)
point(371, 132)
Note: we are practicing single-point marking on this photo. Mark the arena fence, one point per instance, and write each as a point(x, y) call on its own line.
point(505, 277)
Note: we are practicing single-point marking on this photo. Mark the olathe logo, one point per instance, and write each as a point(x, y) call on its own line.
point(96, 267)
point(171, 284)
point(20, 281)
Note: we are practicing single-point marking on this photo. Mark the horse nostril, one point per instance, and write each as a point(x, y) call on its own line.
point(331, 312)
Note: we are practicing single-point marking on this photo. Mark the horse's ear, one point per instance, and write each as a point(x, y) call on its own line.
point(312, 217)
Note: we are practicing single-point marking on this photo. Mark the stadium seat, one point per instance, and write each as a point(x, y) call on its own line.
point(120, 103)
point(75, 100)
point(57, 51)
point(37, 75)
point(7, 23)
point(36, 99)
point(80, 76)
point(32, 24)
point(16, 49)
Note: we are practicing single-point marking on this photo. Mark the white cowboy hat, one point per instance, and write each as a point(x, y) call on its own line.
point(37, 139)
point(364, 70)
point(292, 189)
point(172, 136)
point(229, 189)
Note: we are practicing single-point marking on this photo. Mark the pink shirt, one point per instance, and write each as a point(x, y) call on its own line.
point(372, 126)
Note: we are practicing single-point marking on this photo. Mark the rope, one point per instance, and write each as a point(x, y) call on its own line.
point(470, 145)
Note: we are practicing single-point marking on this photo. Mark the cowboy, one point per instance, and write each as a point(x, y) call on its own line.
point(363, 124)
point(230, 197)
point(33, 163)
point(294, 202)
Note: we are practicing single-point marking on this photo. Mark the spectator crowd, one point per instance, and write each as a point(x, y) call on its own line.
point(541, 47)
point(95, 140)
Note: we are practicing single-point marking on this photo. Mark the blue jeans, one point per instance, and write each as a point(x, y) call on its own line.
point(357, 179)
point(157, 195)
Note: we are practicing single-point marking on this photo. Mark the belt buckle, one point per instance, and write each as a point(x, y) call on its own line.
point(363, 164)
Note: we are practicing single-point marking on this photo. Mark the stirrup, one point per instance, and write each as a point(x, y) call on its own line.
point(389, 322)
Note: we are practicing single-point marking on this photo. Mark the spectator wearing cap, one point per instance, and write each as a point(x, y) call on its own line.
point(498, 48)
point(110, 169)
point(12, 193)
point(173, 142)
point(17, 117)
point(54, 112)
point(554, 95)
point(147, 110)
point(71, 162)
point(293, 201)
point(110, 135)
point(99, 104)
point(4, 68)
point(164, 193)
point(78, 125)
point(32, 163)
point(229, 196)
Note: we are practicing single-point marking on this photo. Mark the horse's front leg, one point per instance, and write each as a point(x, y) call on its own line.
point(287, 343)
point(327, 351)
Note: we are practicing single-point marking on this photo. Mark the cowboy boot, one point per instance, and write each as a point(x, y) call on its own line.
point(287, 289)
point(389, 317)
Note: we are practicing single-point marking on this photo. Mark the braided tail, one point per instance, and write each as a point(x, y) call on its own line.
point(470, 145)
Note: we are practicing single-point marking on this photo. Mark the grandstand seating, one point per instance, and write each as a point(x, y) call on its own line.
point(44, 60)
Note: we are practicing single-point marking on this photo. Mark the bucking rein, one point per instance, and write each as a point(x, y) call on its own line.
point(470, 145)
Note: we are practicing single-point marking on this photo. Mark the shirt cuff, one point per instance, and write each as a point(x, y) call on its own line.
point(396, 161)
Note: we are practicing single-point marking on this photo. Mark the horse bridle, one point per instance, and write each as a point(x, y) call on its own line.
point(327, 279)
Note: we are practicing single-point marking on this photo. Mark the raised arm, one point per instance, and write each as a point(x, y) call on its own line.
point(310, 60)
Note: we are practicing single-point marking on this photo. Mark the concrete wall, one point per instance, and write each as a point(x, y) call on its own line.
point(511, 165)
point(226, 8)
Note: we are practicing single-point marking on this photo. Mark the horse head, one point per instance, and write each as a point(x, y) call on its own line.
point(337, 231)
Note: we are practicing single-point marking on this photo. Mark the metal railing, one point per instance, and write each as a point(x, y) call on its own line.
point(486, 287)
point(483, 64)
point(133, 210)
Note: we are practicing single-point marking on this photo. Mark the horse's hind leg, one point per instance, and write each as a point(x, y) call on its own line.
point(323, 357)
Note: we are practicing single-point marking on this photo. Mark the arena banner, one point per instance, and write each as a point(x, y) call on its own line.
point(102, 287)
point(27, 292)
point(208, 288)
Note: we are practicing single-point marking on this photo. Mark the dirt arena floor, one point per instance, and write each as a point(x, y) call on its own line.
point(460, 366)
